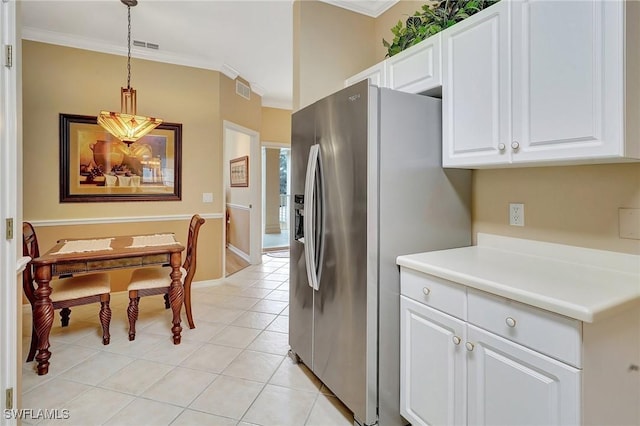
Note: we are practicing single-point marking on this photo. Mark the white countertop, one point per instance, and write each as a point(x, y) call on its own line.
point(580, 283)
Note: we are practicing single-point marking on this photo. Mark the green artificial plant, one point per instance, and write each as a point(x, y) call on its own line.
point(434, 17)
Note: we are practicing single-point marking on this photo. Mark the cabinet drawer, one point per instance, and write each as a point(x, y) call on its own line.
point(552, 334)
point(435, 292)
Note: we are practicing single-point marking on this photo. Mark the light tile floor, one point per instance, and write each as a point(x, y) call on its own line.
point(232, 369)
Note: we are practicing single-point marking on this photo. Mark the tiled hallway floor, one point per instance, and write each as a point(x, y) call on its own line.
point(232, 369)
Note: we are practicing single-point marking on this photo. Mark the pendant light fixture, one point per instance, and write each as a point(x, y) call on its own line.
point(126, 125)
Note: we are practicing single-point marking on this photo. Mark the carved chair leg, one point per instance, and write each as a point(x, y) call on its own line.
point(105, 318)
point(187, 305)
point(34, 344)
point(64, 316)
point(132, 311)
point(167, 305)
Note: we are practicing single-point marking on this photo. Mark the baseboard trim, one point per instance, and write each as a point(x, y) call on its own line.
point(239, 252)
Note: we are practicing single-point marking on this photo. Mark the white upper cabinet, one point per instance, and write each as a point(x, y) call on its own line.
point(567, 70)
point(416, 69)
point(475, 89)
point(541, 82)
point(375, 74)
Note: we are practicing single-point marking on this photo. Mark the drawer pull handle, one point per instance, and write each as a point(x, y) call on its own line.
point(510, 322)
point(426, 291)
point(456, 340)
point(501, 147)
point(515, 145)
point(469, 346)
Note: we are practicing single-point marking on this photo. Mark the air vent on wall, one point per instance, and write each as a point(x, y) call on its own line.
point(243, 90)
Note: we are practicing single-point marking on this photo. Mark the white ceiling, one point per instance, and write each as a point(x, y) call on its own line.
point(252, 38)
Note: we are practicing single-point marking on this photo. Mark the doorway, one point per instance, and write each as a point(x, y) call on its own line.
point(276, 166)
point(242, 199)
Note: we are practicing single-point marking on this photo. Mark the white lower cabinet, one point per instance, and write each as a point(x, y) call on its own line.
point(453, 373)
point(508, 384)
point(432, 377)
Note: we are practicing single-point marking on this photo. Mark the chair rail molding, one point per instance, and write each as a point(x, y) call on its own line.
point(124, 219)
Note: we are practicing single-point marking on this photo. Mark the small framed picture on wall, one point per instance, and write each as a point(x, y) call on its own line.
point(239, 168)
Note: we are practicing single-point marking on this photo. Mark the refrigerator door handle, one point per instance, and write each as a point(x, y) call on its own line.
point(309, 213)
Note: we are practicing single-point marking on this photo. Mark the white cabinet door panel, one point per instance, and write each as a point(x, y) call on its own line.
point(475, 89)
point(511, 385)
point(376, 75)
point(432, 378)
point(416, 69)
point(567, 79)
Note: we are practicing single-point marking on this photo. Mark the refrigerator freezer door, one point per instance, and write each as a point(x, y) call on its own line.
point(300, 293)
point(344, 340)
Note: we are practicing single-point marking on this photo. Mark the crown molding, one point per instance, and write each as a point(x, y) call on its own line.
point(370, 7)
point(229, 71)
point(257, 89)
point(52, 37)
point(276, 103)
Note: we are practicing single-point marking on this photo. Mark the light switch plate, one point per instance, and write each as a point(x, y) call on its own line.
point(629, 222)
point(207, 197)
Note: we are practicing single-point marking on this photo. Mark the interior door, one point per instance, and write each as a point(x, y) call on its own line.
point(10, 184)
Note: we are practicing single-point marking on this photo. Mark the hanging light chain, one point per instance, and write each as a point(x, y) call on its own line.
point(129, 48)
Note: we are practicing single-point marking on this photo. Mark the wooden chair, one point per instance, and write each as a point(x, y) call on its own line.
point(66, 292)
point(153, 281)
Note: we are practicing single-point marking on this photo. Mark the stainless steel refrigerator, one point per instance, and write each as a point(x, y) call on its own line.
point(367, 186)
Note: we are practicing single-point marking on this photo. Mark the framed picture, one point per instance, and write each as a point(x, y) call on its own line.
point(239, 171)
point(97, 167)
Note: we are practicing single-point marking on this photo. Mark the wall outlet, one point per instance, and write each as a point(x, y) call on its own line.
point(207, 197)
point(516, 214)
point(629, 222)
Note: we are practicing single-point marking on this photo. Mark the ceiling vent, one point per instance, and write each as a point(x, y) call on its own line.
point(148, 45)
point(243, 90)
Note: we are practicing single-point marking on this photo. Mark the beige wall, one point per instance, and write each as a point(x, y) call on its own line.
point(84, 82)
point(238, 229)
point(330, 45)
point(64, 80)
point(235, 108)
point(383, 24)
point(575, 205)
point(276, 125)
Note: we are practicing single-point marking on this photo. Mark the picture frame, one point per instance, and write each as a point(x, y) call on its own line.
point(95, 166)
point(239, 170)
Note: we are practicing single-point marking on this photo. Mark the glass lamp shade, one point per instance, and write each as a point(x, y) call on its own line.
point(127, 127)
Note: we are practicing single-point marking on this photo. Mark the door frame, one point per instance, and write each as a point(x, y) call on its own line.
point(255, 204)
point(265, 145)
point(10, 183)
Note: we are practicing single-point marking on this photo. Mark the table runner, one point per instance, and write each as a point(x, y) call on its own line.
point(153, 240)
point(79, 246)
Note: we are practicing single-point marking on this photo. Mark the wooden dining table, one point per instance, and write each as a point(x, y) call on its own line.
point(68, 257)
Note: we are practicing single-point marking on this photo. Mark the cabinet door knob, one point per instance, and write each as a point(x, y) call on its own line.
point(515, 145)
point(426, 291)
point(456, 340)
point(501, 146)
point(469, 346)
point(510, 322)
